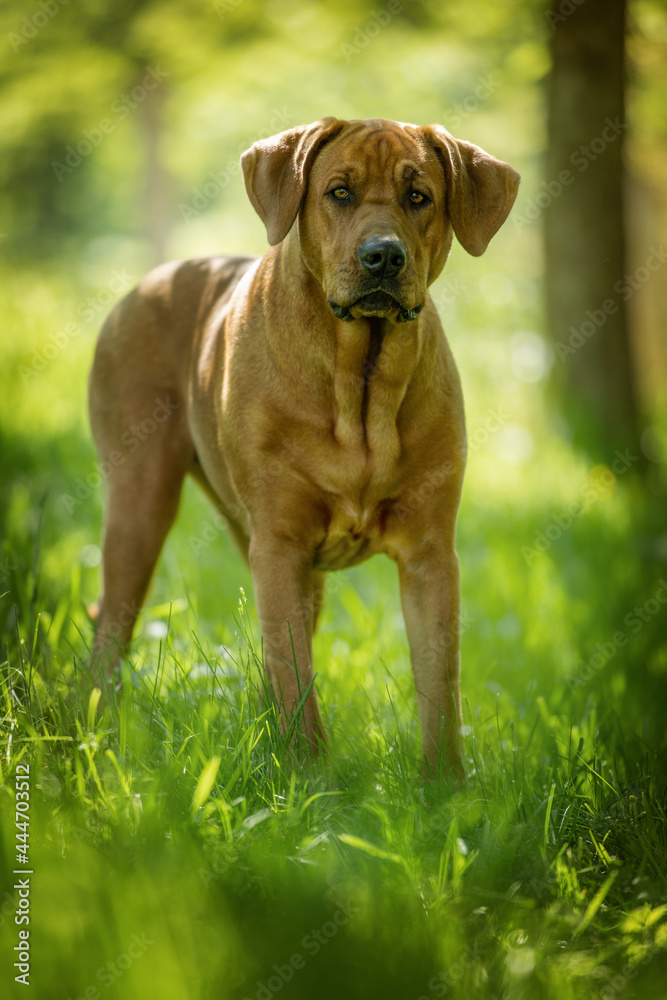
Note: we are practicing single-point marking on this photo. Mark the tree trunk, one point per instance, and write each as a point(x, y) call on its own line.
point(584, 226)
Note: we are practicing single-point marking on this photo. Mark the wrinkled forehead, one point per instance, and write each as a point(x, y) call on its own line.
point(375, 152)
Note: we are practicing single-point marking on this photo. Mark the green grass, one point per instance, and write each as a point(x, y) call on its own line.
point(177, 850)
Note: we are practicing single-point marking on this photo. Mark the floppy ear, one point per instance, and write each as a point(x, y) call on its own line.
point(276, 171)
point(480, 189)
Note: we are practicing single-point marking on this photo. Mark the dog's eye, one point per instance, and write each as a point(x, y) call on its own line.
point(417, 198)
point(340, 194)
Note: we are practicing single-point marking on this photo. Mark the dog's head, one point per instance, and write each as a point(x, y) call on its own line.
point(377, 203)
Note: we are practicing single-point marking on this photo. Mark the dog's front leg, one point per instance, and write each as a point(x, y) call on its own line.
point(286, 601)
point(430, 600)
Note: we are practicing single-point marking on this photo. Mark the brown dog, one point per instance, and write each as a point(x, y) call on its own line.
point(311, 392)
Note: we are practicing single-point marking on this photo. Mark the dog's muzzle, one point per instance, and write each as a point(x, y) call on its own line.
point(377, 301)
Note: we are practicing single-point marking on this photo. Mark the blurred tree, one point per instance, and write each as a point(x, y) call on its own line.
point(157, 180)
point(586, 282)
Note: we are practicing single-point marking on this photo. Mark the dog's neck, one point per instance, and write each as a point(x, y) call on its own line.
point(370, 362)
point(373, 366)
point(376, 339)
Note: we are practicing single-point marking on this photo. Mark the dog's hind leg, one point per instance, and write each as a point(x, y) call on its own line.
point(142, 497)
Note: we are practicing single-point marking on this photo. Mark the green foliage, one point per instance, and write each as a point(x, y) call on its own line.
point(232, 69)
point(179, 817)
point(174, 830)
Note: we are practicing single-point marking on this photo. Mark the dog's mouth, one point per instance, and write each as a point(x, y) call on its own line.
point(377, 302)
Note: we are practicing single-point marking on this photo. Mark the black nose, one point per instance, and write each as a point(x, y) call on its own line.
point(383, 256)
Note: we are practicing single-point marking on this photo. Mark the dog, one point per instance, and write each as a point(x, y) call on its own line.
point(311, 393)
